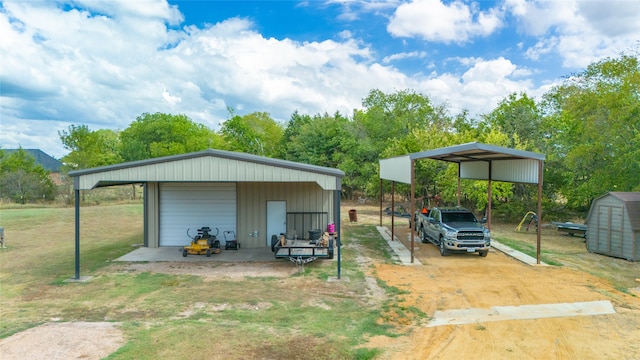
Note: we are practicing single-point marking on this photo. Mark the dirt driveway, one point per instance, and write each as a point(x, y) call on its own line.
point(468, 281)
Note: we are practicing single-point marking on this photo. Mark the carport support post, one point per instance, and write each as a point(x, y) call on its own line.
point(489, 199)
point(393, 208)
point(540, 165)
point(381, 197)
point(336, 210)
point(77, 203)
point(459, 186)
point(412, 207)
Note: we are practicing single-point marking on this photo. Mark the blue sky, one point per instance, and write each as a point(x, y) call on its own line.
point(103, 63)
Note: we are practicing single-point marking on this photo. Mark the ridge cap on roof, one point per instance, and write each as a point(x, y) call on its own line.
point(214, 153)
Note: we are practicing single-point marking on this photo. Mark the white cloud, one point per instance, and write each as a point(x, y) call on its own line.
point(404, 55)
point(434, 21)
point(104, 63)
point(480, 88)
point(580, 32)
point(138, 9)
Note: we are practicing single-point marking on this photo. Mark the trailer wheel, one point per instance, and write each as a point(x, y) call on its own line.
point(330, 249)
point(274, 242)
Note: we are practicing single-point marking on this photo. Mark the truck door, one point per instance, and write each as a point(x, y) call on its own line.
point(434, 225)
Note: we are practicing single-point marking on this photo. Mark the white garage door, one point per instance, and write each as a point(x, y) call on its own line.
point(194, 205)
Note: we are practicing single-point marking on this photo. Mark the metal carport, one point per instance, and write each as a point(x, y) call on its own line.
point(475, 161)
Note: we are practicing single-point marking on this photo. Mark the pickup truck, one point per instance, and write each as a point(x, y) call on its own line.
point(453, 229)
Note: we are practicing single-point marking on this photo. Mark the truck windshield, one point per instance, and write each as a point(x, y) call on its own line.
point(458, 217)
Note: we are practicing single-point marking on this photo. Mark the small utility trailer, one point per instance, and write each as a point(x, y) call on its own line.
point(301, 251)
point(572, 229)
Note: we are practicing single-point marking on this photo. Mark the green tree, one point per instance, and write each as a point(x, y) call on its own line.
point(256, 133)
point(23, 180)
point(591, 131)
point(289, 135)
point(156, 135)
point(517, 116)
point(89, 148)
point(384, 122)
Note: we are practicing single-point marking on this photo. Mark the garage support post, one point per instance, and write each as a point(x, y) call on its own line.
point(77, 203)
point(336, 211)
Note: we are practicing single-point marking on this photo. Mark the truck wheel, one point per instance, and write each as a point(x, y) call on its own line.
point(443, 250)
point(483, 253)
point(423, 236)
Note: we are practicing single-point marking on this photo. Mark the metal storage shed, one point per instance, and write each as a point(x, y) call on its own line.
point(255, 196)
point(613, 225)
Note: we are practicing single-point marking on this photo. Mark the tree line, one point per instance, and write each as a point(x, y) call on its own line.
point(588, 127)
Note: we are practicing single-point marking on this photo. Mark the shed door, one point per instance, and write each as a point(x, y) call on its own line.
point(610, 229)
point(194, 205)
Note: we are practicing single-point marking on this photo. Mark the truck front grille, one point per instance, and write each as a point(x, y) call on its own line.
point(470, 235)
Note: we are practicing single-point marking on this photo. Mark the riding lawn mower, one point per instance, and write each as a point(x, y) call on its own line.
point(203, 243)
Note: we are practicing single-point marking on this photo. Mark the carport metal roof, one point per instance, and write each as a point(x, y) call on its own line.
point(475, 161)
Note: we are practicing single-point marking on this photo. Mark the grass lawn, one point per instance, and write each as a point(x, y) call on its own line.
point(188, 316)
point(174, 316)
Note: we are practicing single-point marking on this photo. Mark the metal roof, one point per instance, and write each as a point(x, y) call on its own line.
point(215, 153)
point(474, 152)
point(476, 161)
point(205, 166)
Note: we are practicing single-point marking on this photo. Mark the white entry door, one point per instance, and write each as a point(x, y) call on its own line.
point(276, 219)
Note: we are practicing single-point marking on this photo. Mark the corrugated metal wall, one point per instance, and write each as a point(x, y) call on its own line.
point(252, 207)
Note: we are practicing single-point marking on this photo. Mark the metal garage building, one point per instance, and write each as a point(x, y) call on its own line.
point(254, 196)
point(613, 225)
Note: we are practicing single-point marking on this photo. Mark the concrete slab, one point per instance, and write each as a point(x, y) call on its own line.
point(171, 253)
point(515, 253)
point(403, 254)
point(523, 312)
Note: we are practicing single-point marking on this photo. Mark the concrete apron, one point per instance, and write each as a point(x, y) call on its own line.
point(501, 313)
point(523, 312)
point(174, 253)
